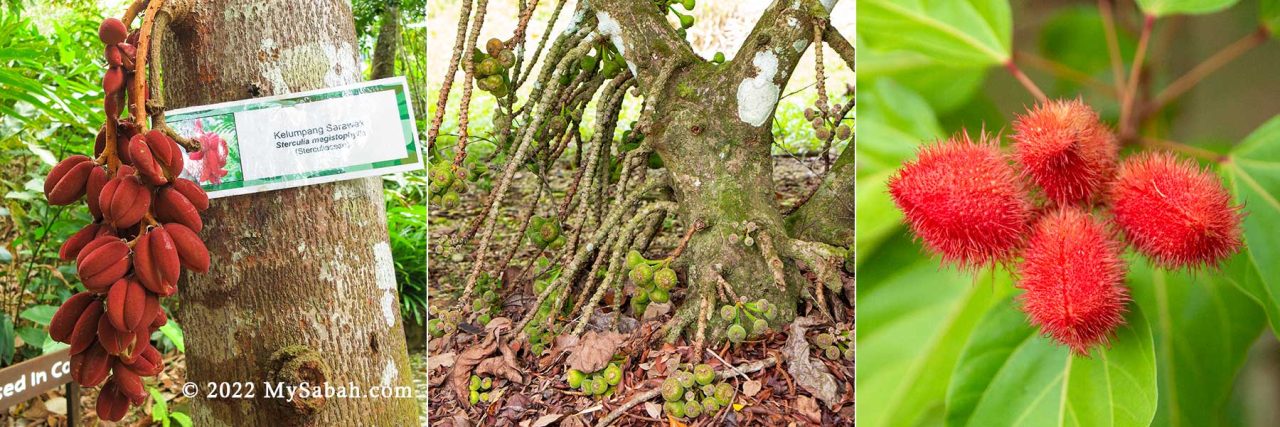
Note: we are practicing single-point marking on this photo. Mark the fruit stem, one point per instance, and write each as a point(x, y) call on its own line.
point(1135, 72)
point(1026, 81)
point(1182, 148)
point(1113, 45)
point(1066, 72)
point(138, 92)
point(1204, 69)
point(684, 241)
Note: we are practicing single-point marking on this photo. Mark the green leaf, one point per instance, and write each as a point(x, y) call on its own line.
point(159, 408)
point(944, 87)
point(51, 346)
point(172, 331)
point(956, 32)
point(913, 320)
point(1269, 12)
point(182, 419)
point(1253, 171)
point(1011, 375)
point(892, 122)
point(1203, 330)
point(1191, 7)
point(33, 337)
point(40, 314)
point(6, 340)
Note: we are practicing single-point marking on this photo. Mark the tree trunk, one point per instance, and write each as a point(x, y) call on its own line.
point(302, 286)
point(384, 49)
point(828, 216)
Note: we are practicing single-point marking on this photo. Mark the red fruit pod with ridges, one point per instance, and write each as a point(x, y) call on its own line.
point(1066, 150)
point(156, 262)
point(160, 320)
point(129, 55)
point(129, 382)
point(192, 191)
point(67, 180)
point(1174, 213)
point(93, 190)
point(115, 341)
point(964, 201)
point(71, 248)
point(113, 55)
point(173, 206)
point(112, 403)
point(124, 201)
point(112, 31)
point(91, 367)
point(145, 161)
point(1073, 276)
point(86, 329)
point(64, 320)
point(166, 151)
point(103, 261)
point(191, 250)
point(149, 361)
point(113, 80)
point(126, 304)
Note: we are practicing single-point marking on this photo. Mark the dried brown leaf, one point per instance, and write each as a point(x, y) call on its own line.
point(460, 376)
point(812, 376)
point(594, 350)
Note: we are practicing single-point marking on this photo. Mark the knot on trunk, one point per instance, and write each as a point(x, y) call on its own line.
point(300, 366)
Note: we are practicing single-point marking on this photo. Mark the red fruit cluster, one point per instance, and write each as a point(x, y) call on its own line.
point(1073, 277)
point(965, 201)
point(143, 233)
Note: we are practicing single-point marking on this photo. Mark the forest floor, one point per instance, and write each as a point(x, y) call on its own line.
point(774, 395)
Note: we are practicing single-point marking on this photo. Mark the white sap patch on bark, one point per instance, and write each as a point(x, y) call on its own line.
point(609, 27)
point(801, 45)
point(792, 22)
point(389, 308)
point(344, 69)
point(758, 95)
point(389, 373)
point(577, 20)
point(385, 267)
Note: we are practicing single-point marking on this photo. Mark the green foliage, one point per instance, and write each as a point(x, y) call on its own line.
point(1254, 175)
point(960, 33)
point(1193, 7)
point(1009, 374)
point(1269, 14)
point(407, 224)
point(161, 414)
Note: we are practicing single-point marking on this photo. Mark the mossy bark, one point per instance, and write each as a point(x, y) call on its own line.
point(301, 278)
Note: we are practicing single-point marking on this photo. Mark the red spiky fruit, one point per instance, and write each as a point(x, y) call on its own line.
point(1073, 280)
point(1175, 213)
point(1066, 150)
point(963, 199)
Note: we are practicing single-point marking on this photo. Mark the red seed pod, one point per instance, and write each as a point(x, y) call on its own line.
point(1074, 280)
point(66, 181)
point(192, 252)
point(125, 133)
point(85, 331)
point(124, 201)
point(71, 248)
point(173, 206)
point(144, 160)
point(64, 320)
point(93, 190)
point(192, 191)
point(150, 311)
point(129, 382)
point(160, 320)
point(103, 261)
point(112, 403)
point(149, 362)
point(964, 200)
point(112, 31)
point(126, 304)
point(129, 55)
point(1066, 150)
point(166, 151)
point(113, 55)
point(1176, 214)
point(113, 81)
point(156, 262)
point(114, 340)
point(91, 367)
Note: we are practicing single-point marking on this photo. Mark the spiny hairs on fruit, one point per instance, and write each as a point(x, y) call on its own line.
point(1066, 150)
point(964, 200)
point(1073, 279)
point(1175, 213)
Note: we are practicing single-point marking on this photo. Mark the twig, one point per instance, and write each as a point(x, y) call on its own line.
point(1131, 87)
point(1213, 63)
point(1063, 71)
point(1026, 81)
point(654, 392)
point(1113, 45)
point(684, 241)
point(1182, 148)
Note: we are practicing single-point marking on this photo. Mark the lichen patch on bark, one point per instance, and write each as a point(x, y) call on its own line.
point(758, 95)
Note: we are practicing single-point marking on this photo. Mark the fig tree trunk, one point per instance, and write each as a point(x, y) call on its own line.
point(302, 286)
point(711, 124)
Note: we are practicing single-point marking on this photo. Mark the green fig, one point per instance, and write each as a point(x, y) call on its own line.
point(703, 374)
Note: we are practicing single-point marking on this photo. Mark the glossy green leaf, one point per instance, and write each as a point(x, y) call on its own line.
point(892, 122)
point(6, 340)
point(1191, 7)
point(1269, 14)
point(943, 86)
point(956, 32)
point(913, 320)
point(1203, 330)
point(173, 332)
point(40, 314)
point(33, 337)
point(1253, 171)
point(1011, 375)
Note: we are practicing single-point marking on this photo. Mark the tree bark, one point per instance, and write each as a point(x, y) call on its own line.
point(302, 286)
point(828, 216)
point(712, 127)
point(384, 49)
